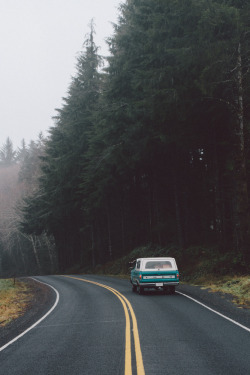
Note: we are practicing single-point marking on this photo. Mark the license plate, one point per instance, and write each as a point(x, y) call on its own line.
point(159, 284)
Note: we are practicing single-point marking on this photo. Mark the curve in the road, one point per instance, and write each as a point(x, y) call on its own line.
point(127, 309)
point(36, 323)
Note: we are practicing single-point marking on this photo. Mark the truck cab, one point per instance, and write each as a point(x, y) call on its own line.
point(157, 273)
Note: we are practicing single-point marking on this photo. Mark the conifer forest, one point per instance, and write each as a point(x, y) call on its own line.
point(150, 147)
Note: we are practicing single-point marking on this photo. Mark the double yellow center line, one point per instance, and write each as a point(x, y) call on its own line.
point(127, 309)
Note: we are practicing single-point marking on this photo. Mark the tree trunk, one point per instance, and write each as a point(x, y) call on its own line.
point(109, 233)
point(178, 215)
point(241, 221)
point(51, 251)
point(33, 241)
point(93, 247)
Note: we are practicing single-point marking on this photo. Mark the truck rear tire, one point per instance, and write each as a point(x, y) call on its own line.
point(140, 289)
point(172, 289)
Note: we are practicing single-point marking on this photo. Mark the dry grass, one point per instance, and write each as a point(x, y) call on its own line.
point(237, 286)
point(14, 298)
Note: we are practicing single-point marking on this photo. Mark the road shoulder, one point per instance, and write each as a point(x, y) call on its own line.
point(42, 300)
point(220, 302)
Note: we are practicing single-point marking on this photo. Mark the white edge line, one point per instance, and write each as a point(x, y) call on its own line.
point(39, 321)
point(216, 312)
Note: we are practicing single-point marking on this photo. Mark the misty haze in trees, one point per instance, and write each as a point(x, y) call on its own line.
point(21, 254)
point(153, 149)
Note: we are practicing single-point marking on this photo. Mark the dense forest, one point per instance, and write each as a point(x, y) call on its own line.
point(152, 147)
point(21, 253)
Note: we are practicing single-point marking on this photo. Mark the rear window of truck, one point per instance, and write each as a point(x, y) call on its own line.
point(158, 264)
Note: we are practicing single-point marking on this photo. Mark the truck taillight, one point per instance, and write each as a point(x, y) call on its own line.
point(140, 276)
point(177, 275)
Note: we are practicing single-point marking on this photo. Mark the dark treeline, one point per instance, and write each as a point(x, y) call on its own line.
point(153, 149)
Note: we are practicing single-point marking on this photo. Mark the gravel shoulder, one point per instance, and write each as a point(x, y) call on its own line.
point(43, 298)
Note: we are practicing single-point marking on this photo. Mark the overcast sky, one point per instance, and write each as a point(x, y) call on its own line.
point(39, 42)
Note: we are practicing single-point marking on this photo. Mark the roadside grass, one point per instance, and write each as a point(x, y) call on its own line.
point(14, 298)
point(237, 286)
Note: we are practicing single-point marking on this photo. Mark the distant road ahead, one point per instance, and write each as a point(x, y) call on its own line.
point(103, 328)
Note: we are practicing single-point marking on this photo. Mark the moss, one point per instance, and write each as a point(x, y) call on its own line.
point(14, 298)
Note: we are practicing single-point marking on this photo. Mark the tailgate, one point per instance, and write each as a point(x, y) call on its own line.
point(156, 276)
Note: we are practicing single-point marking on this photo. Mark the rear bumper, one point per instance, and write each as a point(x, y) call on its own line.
point(156, 284)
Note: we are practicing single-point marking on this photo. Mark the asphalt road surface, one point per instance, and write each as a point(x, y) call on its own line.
point(98, 326)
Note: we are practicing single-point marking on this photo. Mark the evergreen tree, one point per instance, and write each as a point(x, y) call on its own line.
point(22, 152)
point(152, 151)
point(56, 208)
point(7, 153)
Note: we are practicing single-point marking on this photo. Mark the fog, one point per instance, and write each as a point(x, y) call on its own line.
point(39, 42)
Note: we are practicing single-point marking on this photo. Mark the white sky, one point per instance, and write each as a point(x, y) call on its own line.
point(39, 42)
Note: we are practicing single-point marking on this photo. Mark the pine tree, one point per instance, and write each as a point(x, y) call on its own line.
point(7, 153)
point(56, 207)
point(152, 150)
point(22, 152)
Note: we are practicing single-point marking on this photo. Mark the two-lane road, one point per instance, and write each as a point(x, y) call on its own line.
point(102, 327)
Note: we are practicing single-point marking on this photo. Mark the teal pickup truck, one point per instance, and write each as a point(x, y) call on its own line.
point(157, 273)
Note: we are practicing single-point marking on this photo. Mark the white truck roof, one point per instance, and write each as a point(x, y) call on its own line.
point(144, 261)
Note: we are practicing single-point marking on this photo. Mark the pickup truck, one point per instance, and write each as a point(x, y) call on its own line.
point(157, 273)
